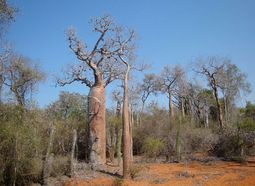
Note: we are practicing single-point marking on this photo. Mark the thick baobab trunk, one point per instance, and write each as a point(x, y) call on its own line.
point(126, 131)
point(96, 122)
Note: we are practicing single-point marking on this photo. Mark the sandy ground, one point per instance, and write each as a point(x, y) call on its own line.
point(193, 173)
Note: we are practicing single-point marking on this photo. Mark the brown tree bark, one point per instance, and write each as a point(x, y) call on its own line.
point(97, 136)
point(126, 129)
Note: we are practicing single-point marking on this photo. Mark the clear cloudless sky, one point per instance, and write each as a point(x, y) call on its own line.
point(169, 32)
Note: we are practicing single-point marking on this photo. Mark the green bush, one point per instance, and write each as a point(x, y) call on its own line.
point(248, 124)
point(230, 144)
point(152, 147)
point(60, 166)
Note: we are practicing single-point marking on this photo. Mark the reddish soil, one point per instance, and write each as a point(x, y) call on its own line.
point(213, 173)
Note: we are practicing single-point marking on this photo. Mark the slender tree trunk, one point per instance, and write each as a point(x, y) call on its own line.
point(206, 117)
point(113, 140)
point(1, 87)
point(119, 144)
point(170, 104)
point(16, 160)
point(206, 114)
point(178, 141)
point(47, 163)
point(218, 107)
point(141, 114)
point(182, 107)
point(191, 112)
point(96, 122)
point(226, 111)
point(126, 130)
point(131, 132)
point(118, 133)
point(73, 152)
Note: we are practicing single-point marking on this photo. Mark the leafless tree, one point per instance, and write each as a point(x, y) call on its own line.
point(211, 68)
point(225, 78)
point(21, 76)
point(150, 85)
point(6, 15)
point(231, 83)
point(169, 80)
point(4, 57)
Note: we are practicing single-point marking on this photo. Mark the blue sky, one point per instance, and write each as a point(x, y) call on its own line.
point(169, 32)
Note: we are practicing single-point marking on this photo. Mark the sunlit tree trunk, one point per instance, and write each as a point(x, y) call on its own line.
point(126, 129)
point(96, 122)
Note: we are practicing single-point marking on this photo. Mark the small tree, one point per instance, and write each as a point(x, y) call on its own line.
point(169, 79)
point(149, 86)
point(21, 77)
point(211, 68)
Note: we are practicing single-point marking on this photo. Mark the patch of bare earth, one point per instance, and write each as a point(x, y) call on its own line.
point(194, 173)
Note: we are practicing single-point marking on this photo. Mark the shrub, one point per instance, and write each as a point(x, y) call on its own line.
point(152, 147)
point(248, 124)
point(230, 145)
point(118, 182)
point(60, 166)
point(199, 139)
point(135, 170)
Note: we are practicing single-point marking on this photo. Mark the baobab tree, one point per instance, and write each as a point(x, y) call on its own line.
point(97, 68)
point(126, 56)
